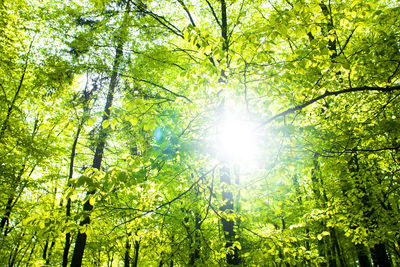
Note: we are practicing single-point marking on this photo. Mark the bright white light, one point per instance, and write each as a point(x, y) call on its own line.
point(236, 140)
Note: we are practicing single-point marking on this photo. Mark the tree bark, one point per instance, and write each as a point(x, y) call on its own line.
point(5, 218)
point(136, 259)
point(127, 252)
point(98, 156)
point(196, 253)
point(335, 243)
point(9, 205)
point(362, 255)
point(12, 105)
point(380, 256)
point(67, 243)
point(228, 225)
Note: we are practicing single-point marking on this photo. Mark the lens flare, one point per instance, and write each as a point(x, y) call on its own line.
point(237, 140)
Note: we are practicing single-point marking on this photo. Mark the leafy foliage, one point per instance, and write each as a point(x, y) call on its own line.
point(110, 113)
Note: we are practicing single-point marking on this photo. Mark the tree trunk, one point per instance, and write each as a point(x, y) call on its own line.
point(362, 255)
point(322, 251)
point(331, 251)
point(196, 253)
point(127, 251)
point(136, 259)
point(67, 243)
point(379, 256)
point(12, 105)
point(46, 245)
point(378, 253)
point(98, 156)
point(228, 226)
point(32, 250)
point(5, 218)
point(335, 242)
point(50, 251)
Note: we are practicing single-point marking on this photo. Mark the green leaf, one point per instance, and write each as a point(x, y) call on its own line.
point(186, 35)
point(113, 123)
point(325, 233)
point(74, 196)
point(133, 121)
point(146, 127)
point(105, 124)
point(92, 121)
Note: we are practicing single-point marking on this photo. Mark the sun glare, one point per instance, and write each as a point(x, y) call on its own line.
point(237, 140)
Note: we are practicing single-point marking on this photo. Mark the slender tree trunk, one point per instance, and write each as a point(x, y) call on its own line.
point(12, 105)
point(67, 243)
point(98, 156)
point(50, 251)
point(322, 251)
point(380, 256)
point(329, 27)
point(136, 259)
point(335, 243)
point(13, 255)
point(224, 34)
point(32, 250)
point(378, 252)
point(317, 187)
point(362, 255)
point(127, 252)
point(362, 252)
point(196, 252)
point(331, 252)
point(46, 246)
point(228, 226)
point(5, 219)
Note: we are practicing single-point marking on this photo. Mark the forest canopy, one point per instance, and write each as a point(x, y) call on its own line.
point(199, 133)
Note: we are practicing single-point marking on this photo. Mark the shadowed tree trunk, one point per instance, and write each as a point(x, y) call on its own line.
point(5, 219)
point(98, 156)
point(362, 255)
point(136, 259)
point(228, 225)
point(67, 243)
point(378, 252)
point(380, 256)
point(127, 252)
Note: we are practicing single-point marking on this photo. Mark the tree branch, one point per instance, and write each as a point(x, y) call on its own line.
point(326, 94)
point(146, 212)
point(157, 85)
point(213, 13)
point(187, 12)
point(347, 41)
point(394, 73)
point(163, 21)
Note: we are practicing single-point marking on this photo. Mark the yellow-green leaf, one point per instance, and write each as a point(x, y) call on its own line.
point(91, 121)
point(105, 123)
point(133, 121)
point(147, 127)
point(113, 123)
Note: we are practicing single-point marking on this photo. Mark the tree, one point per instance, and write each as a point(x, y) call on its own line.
point(110, 116)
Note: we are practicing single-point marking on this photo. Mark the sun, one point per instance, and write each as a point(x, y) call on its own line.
point(236, 139)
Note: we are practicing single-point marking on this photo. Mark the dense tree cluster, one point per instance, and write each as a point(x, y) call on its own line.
point(110, 112)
